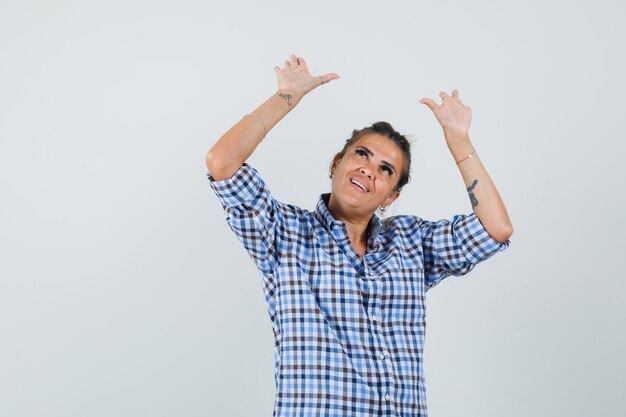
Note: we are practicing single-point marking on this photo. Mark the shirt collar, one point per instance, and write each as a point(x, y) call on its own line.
point(329, 222)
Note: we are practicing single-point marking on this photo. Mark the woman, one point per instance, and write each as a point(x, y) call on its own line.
point(345, 291)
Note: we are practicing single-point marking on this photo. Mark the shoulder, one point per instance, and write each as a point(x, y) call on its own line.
point(401, 230)
point(292, 212)
point(246, 193)
point(404, 223)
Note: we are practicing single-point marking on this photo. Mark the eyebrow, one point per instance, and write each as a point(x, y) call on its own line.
point(385, 163)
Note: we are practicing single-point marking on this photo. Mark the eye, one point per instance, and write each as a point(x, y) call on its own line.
point(361, 152)
point(389, 171)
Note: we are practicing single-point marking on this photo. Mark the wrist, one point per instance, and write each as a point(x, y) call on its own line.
point(290, 96)
point(455, 134)
point(459, 144)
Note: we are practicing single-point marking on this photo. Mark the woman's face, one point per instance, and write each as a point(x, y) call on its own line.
point(374, 161)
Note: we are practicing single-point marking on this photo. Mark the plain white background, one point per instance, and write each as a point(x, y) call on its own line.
point(124, 293)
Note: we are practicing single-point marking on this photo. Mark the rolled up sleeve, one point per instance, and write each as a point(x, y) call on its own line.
point(257, 219)
point(455, 246)
point(241, 191)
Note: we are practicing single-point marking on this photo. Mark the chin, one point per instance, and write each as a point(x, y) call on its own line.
point(356, 203)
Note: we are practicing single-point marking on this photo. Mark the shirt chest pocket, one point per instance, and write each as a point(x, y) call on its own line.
point(404, 292)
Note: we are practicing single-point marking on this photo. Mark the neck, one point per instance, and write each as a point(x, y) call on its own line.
point(356, 225)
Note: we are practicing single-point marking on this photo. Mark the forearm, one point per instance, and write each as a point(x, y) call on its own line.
point(236, 145)
point(484, 196)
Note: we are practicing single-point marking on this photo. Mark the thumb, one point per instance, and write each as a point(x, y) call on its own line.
point(430, 103)
point(330, 76)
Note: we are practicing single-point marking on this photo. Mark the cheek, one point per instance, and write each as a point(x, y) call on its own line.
point(345, 166)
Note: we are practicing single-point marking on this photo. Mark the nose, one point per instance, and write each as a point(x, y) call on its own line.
point(366, 172)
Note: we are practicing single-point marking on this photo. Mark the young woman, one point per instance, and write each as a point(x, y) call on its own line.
point(345, 290)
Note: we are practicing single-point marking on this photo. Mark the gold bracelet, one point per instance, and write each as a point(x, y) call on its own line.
point(468, 156)
point(258, 117)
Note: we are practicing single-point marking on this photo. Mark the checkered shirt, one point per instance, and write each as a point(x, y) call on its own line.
point(348, 330)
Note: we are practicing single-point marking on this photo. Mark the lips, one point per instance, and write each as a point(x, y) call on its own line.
point(360, 183)
point(357, 187)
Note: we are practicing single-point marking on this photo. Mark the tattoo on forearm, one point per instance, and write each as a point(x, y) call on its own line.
point(471, 194)
point(287, 97)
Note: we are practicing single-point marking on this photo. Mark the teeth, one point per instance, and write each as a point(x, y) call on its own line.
point(359, 184)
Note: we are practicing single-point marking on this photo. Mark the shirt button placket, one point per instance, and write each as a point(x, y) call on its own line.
point(386, 370)
point(389, 401)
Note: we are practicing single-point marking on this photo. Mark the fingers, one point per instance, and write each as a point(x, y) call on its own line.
point(294, 61)
point(435, 107)
point(455, 95)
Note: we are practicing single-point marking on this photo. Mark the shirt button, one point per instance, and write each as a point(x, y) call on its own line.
point(375, 317)
point(382, 355)
point(387, 396)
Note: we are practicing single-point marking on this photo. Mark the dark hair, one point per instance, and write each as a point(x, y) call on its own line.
point(385, 129)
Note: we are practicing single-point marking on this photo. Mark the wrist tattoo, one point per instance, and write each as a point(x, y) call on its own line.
point(287, 97)
point(471, 194)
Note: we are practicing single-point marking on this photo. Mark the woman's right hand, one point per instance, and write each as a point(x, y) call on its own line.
point(295, 77)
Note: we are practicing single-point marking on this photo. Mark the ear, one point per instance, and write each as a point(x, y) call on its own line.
point(393, 197)
point(335, 161)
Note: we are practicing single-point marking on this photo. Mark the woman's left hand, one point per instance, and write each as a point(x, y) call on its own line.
point(452, 114)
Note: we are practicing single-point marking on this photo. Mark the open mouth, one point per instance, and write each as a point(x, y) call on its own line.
point(358, 186)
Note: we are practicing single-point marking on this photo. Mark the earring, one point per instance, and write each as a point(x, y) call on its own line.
point(330, 175)
point(382, 209)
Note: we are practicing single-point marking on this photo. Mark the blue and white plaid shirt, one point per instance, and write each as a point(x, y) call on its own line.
point(348, 330)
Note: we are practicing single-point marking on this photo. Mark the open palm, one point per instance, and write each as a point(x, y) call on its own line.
point(295, 76)
point(452, 113)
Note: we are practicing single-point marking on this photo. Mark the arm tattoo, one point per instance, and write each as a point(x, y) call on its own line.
point(287, 97)
point(471, 194)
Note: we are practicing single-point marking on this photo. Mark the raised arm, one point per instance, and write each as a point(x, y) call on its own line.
point(455, 118)
point(236, 145)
